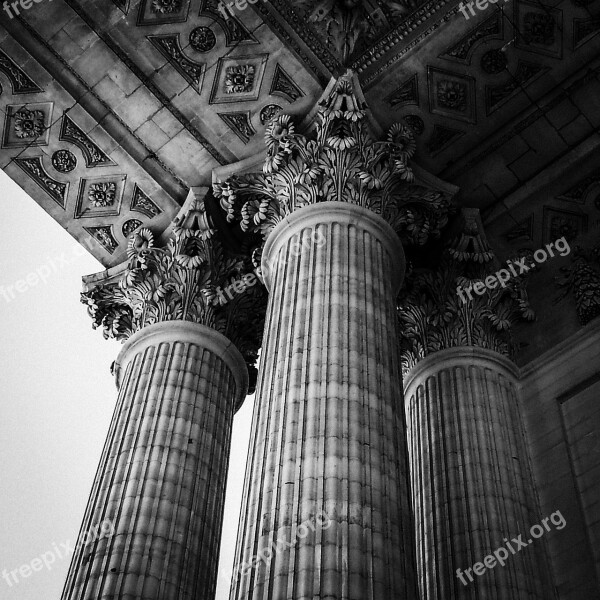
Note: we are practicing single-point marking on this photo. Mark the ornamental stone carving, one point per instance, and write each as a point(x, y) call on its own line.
point(180, 281)
point(432, 315)
point(582, 281)
point(165, 6)
point(102, 194)
point(342, 162)
point(202, 39)
point(452, 95)
point(64, 161)
point(239, 79)
point(29, 124)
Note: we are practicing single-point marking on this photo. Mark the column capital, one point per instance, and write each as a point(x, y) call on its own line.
point(437, 313)
point(189, 278)
point(341, 159)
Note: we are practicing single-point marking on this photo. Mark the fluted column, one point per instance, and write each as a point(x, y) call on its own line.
point(326, 491)
point(161, 478)
point(473, 490)
point(182, 374)
point(473, 487)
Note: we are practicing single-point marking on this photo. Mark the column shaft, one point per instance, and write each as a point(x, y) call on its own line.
point(472, 485)
point(328, 429)
point(161, 478)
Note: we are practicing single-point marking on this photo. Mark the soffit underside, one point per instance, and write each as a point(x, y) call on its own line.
point(170, 96)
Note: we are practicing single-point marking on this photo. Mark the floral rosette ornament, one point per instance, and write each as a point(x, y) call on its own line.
point(342, 162)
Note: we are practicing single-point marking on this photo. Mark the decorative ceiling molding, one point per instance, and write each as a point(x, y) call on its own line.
point(147, 81)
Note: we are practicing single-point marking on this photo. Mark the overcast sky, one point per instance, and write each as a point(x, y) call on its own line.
point(57, 400)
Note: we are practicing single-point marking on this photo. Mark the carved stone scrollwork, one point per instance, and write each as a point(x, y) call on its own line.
point(432, 315)
point(181, 281)
point(342, 162)
point(582, 280)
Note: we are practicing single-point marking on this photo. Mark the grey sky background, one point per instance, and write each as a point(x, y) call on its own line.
point(57, 401)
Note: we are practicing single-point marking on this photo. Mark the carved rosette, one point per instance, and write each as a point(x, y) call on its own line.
point(432, 315)
point(181, 281)
point(342, 162)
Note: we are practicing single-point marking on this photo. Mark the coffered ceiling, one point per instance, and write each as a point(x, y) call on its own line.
point(113, 110)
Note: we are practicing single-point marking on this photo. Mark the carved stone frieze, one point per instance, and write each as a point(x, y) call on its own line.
point(490, 29)
point(240, 124)
point(406, 93)
point(283, 85)
point(20, 82)
point(35, 169)
point(433, 316)
point(350, 27)
point(140, 202)
point(170, 47)
point(341, 162)
point(92, 154)
point(235, 31)
point(181, 281)
point(104, 236)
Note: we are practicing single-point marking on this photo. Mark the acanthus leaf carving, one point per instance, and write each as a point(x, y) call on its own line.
point(180, 281)
point(432, 315)
point(343, 163)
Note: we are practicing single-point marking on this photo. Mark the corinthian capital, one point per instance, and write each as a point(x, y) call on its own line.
point(342, 161)
point(436, 312)
point(182, 280)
